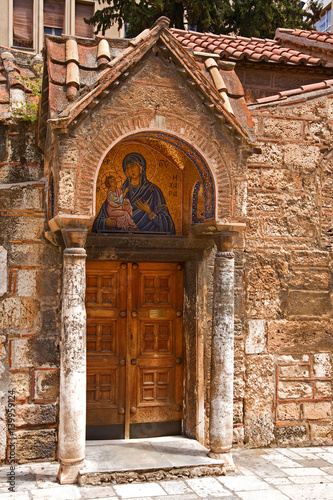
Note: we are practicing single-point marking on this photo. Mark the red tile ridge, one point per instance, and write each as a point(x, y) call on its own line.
point(286, 30)
point(314, 86)
point(268, 99)
point(244, 38)
point(288, 93)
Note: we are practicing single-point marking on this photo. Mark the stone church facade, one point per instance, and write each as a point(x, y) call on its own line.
point(166, 242)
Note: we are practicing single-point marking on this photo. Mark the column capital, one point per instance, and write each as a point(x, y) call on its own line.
point(75, 239)
point(225, 240)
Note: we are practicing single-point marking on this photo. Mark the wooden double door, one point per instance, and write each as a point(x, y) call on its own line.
point(134, 349)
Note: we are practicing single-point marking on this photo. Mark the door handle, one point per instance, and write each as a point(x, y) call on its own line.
point(122, 314)
point(134, 361)
point(122, 362)
point(134, 314)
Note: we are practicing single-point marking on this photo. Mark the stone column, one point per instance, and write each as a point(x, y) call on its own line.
point(72, 418)
point(222, 357)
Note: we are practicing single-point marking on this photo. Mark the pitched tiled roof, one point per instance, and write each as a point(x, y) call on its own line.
point(236, 48)
point(81, 72)
point(17, 77)
point(305, 89)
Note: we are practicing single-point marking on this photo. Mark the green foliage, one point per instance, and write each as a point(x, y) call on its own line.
point(258, 18)
point(205, 15)
point(28, 111)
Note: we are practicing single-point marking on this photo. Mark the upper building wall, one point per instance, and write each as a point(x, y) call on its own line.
point(32, 21)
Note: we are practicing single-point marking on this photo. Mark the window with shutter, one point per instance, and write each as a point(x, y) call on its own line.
point(54, 15)
point(23, 23)
point(81, 28)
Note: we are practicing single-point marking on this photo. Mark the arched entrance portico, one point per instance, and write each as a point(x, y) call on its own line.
point(188, 188)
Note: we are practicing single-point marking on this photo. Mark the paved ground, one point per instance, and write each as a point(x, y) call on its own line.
point(270, 474)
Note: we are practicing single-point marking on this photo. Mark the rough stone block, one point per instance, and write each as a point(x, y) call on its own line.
point(294, 371)
point(322, 365)
point(3, 271)
point(287, 224)
point(280, 129)
point(321, 410)
point(294, 390)
point(238, 412)
point(293, 435)
point(21, 383)
point(239, 347)
point(19, 313)
point(301, 156)
point(289, 411)
point(66, 196)
point(28, 229)
point(259, 400)
point(33, 414)
point(309, 303)
point(266, 277)
point(238, 435)
point(256, 339)
point(46, 384)
point(294, 358)
point(27, 283)
point(239, 387)
point(263, 202)
point(317, 131)
point(313, 258)
point(239, 367)
point(28, 353)
point(50, 321)
point(323, 390)
point(299, 336)
point(35, 445)
point(254, 178)
point(321, 434)
point(271, 154)
point(276, 178)
point(310, 280)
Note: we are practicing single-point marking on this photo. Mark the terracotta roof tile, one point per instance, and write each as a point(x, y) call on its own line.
point(253, 49)
point(312, 87)
point(4, 94)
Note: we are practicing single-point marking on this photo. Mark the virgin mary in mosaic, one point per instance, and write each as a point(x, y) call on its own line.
point(138, 205)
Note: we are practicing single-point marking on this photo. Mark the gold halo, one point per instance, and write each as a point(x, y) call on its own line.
point(107, 174)
point(127, 147)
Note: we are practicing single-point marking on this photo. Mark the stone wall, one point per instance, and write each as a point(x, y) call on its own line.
point(29, 298)
point(288, 276)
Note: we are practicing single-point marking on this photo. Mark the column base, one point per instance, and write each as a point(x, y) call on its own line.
point(68, 474)
point(227, 459)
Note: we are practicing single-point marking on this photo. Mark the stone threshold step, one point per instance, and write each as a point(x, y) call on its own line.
point(151, 474)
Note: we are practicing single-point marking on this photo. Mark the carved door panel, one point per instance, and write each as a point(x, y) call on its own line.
point(106, 343)
point(134, 345)
point(156, 349)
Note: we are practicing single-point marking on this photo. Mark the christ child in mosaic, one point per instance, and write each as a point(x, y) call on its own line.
point(118, 208)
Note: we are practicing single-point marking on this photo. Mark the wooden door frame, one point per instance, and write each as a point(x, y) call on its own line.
point(192, 252)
